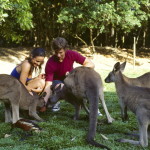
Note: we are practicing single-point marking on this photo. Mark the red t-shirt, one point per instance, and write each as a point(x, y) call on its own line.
point(56, 70)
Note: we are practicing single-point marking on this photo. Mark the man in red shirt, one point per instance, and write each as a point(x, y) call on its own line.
point(61, 63)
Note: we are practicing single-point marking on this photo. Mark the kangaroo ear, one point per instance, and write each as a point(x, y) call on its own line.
point(58, 88)
point(116, 67)
point(52, 87)
point(122, 66)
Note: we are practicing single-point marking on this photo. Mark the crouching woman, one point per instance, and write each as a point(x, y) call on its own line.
point(24, 71)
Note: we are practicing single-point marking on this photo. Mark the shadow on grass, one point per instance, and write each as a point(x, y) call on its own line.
point(9, 54)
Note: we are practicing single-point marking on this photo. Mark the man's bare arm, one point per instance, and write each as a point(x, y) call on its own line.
point(88, 63)
point(47, 90)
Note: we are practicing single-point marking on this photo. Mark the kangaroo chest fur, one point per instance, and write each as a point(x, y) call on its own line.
point(134, 97)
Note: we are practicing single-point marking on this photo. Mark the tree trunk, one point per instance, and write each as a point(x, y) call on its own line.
point(77, 37)
point(144, 35)
point(91, 40)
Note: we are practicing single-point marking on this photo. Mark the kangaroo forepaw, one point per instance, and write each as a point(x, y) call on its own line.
point(120, 140)
point(41, 120)
point(124, 119)
point(110, 120)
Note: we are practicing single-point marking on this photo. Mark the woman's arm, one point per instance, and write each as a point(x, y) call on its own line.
point(24, 74)
point(37, 84)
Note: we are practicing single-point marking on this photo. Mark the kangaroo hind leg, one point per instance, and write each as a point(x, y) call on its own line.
point(15, 112)
point(109, 118)
point(8, 115)
point(143, 127)
point(143, 140)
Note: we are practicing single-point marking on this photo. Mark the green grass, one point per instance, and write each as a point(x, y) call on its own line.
point(60, 131)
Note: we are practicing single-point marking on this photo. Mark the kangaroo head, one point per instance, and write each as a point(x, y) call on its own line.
point(41, 102)
point(117, 68)
point(57, 93)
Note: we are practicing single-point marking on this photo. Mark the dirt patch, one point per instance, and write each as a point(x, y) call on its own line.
point(10, 57)
point(104, 58)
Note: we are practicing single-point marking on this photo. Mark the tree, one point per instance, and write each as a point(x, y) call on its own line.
point(88, 22)
point(130, 17)
point(15, 18)
point(84, 15)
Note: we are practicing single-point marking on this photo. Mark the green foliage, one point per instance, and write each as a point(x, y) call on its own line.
point(91, 14)
point(131, 14)
point(87, 14)
point(38, 22)
point(15, 16)
point(60, 131)
point(19, 10)
point(4, 6)
point(100, 16)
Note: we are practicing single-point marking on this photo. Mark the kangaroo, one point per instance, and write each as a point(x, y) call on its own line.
point(137, 99)
point(81, 85)
point(141, 81)
point(14, 95)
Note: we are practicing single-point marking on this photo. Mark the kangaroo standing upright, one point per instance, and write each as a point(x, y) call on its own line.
point(137, 99)
point(141, 81)
point(81, 85)
point(14, 95)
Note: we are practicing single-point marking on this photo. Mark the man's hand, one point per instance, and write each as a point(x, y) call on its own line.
point(88, 63)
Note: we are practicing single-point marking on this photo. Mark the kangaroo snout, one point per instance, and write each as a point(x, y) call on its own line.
point(53, 100)
point(110, 78)
point(107, 80)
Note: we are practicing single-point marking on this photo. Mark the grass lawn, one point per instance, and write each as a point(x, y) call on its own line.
point(60, 131)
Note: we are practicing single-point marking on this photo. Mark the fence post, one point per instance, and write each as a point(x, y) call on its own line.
point(134, 52)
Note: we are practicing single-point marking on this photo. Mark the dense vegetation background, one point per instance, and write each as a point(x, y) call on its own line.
point(82, 22)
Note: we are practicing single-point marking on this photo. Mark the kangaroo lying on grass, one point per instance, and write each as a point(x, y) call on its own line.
point(141, 81)
point(15, 96)
point(81, 85)
point(137, 99)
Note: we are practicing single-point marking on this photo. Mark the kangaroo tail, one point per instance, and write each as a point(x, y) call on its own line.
point(94, 143)
point(93, 97)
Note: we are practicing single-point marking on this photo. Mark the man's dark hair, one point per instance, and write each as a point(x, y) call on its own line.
point(59, 43)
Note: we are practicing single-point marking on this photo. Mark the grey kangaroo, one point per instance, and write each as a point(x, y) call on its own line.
point(141, 81)
point(81, 85)
point(14, 95)
point(137, 99)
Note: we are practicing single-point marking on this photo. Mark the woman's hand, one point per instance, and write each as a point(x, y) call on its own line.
point(37, 90)
point(41, 76)
point(28, 88)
